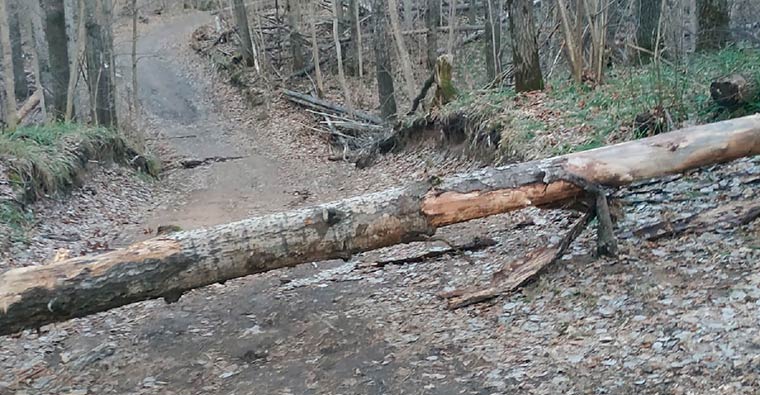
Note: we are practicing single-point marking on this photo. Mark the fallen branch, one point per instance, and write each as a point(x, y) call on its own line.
point(31, 103)
point(517, 273)
point(729, 215)
point(167, 266)
point(326, 106)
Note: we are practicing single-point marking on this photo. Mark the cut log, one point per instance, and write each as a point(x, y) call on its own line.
point(31, 103)
point(169, 265)
point(733, 91)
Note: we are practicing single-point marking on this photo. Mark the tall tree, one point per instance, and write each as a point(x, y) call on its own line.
point(40, 59)
point(339, 55)
point(406, 63)
point(649, 19)
point(354, 58)
point(713, 19)
point(293, 10)
point(383, 62)
point(58, 54)
point(77, 40)
point(524, 47)
point(241, 20)
point(315, 50)
point(14, 25)
point(492, 40)
point(432, 21)
point(452, 26)
point(5, 42)
point(100, 65)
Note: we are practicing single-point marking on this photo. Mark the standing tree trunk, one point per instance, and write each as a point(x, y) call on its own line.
point(41, 60)
point(5, 42)
point(241, 20)
point(408, 14)
point(572, 47)
point(339, 54)
point(293, 9)
point(100, 62)
point(406, 63)
point(646, 36)
point(76, 56)
point(19, 76)
point(452, 26)
point(493, 40)
point(353, 60)
point(524, 47)
point(383, 62)
point(315, 50)
point(473, 12)
point(135, 94)
point(432, 20)
point(58, 55)
point(713, 19)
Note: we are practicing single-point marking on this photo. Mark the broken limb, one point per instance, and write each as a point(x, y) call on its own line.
point(518, 272)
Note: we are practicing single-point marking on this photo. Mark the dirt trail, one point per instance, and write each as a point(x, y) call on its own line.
point(254, 335)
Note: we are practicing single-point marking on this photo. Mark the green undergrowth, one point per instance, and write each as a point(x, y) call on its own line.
point(500, 126)
point(39, 161)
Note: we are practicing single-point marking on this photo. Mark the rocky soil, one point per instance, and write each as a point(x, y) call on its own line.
point(680, 315)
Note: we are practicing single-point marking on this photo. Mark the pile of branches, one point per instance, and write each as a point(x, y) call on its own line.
point(357, 136)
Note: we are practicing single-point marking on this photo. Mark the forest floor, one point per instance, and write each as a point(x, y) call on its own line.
point(678, 315)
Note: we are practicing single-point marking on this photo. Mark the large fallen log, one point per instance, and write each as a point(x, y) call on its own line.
point(169, 265)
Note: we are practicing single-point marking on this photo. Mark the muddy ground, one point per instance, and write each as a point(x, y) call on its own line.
point(675, 316)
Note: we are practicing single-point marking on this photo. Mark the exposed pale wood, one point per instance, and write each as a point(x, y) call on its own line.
point(172, 264)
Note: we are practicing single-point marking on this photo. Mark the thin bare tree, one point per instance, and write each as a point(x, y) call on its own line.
point(58, 55)
point(432, 20)
point(452, 26)
point(406, 63)
point(78, 52)
point(315, 50)
point(341, 74)
point(246, 44)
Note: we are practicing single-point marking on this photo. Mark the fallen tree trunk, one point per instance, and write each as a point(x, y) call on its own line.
point(169, 265)
point(325, 106)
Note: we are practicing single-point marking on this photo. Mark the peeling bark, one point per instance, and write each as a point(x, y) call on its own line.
point(169, 265)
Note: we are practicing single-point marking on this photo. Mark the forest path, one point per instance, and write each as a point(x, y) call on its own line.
point(182, 109)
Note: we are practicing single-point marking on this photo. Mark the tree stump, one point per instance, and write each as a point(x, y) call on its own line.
point(444, 88)
point(733, 91)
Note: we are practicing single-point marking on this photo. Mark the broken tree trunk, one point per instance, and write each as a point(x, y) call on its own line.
point(733, 91)
point(332, 108)
point(169, 265)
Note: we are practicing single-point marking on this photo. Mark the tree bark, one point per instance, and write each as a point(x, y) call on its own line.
point(78, 44)
point(169, 265)
point(100, 66)
point(733, 91)
point(58, 55)
point(7, 59)
point(20, 84)
point(41, 60)
point(713, 24)
point(315, 51)
point(525, 61)
point(646, 35)
point(493, 40)
point(241, 20)
point(339, 56)
point(406, 63)
point(384, 70)
point(354, 46)
point(293, 9)
point(432, 21)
